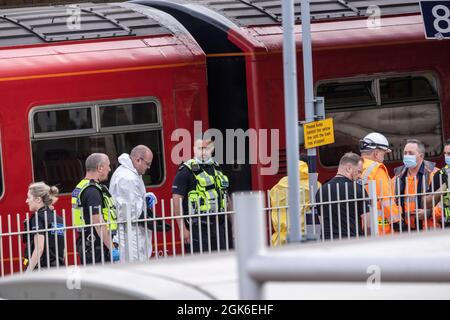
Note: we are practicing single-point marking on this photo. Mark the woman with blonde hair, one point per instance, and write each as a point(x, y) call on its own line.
point(45, 240)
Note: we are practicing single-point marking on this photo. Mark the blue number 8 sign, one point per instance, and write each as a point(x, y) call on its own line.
point(436, 19)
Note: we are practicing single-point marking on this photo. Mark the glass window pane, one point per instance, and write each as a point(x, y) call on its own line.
point(62, 120)
point(346, 94)
point(61, 161)
point(128, 114)
point(398, 124)
point(405, 89)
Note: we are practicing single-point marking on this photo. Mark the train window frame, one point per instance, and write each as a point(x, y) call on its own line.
point(97, 130)
point(430, 75)
point(61, 133)
point(373, 91)
point(125, 128)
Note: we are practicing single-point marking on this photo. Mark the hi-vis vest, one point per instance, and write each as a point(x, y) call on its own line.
point(401, 185)
point(108, 207)
point(210, 191)
point(386, 214)
point(446, 196)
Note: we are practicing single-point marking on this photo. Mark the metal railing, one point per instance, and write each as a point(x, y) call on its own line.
point(333, 215)
point(258, 265)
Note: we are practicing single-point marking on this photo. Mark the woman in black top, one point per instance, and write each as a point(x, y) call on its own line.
point(40, 200)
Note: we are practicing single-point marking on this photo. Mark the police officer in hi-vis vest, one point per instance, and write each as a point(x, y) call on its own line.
point(90, 198)
point(438, 194)
point(201, 188)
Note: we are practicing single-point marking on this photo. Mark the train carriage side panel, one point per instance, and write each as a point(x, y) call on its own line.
point(108, 83)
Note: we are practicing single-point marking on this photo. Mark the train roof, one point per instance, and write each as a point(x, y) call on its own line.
point(47, 24)
point(246, 13)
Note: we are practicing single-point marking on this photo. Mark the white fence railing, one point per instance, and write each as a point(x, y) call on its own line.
point(39, 241)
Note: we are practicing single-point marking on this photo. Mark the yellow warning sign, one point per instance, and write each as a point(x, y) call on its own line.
point(318, 133)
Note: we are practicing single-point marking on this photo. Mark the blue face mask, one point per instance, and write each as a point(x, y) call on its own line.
point(409, 161)
point(447, 160)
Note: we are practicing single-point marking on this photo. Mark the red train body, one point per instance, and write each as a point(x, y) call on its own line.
point(220, 63)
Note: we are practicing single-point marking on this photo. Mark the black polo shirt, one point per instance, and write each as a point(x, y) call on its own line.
point(347, 213)
point(91, 201)
point(45, 219)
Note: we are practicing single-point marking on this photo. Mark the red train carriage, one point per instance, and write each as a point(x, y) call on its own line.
point(132, 75)
point(126, 75)
point(384, 77)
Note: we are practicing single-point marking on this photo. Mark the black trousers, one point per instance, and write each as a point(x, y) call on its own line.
point(204, 240)
point(92, 252)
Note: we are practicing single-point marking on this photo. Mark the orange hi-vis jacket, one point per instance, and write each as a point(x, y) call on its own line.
point(388, 210)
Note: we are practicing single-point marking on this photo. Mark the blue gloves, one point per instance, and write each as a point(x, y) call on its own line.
point(150, 199)
point(115, 255)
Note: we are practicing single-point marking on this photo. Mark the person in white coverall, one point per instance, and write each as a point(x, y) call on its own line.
point(128, 191)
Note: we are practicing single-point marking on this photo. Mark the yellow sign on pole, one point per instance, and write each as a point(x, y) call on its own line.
point(318, 133)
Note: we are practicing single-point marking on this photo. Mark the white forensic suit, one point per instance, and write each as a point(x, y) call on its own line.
point(128, 191)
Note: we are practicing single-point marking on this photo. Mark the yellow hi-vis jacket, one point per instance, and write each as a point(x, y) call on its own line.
point(279, 198)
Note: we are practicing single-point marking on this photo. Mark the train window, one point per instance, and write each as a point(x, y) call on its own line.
point(406, 107)
point(406, 88)
point(59, 158)
point(128, 114)
point(63, 120)
point(347, 93)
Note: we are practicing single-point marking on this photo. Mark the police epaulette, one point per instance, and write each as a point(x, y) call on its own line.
point(194, 167)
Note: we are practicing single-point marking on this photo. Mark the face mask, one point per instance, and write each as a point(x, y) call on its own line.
point(209, 161)
point(447, 160)
point(409, 161)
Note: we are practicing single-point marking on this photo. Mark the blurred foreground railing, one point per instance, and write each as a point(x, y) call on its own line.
point(342, 216)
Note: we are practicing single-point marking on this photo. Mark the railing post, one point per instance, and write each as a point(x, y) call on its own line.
point(128, 237)
point(373, 208)
point(251, 239)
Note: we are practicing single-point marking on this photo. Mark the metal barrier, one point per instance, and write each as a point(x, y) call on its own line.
point(42, 243)
point(258, 265)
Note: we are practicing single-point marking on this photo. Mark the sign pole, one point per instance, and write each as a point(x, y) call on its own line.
point(309, 93)
point(291, 118)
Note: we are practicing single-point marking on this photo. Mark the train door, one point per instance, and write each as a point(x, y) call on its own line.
point(227, 95)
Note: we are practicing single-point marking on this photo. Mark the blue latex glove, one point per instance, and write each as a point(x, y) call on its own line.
point(150, 199)
point(115, 255)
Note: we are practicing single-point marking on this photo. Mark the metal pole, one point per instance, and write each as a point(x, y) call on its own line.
point(128, 232)
point(315, 266)
point(309, 92)
point(373, 208)
point(250, 239)
point(291, 118)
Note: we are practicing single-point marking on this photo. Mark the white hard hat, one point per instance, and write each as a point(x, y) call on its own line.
point(374, 140)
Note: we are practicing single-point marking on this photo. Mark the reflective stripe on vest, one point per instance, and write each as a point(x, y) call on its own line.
point(368, 172)
point(380, 210)
point(108, 207)
point(210, 192)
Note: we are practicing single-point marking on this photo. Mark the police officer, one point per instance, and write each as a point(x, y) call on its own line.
point(439, 185)
point(45, 244)
point(91, 199)
point(201, 187)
